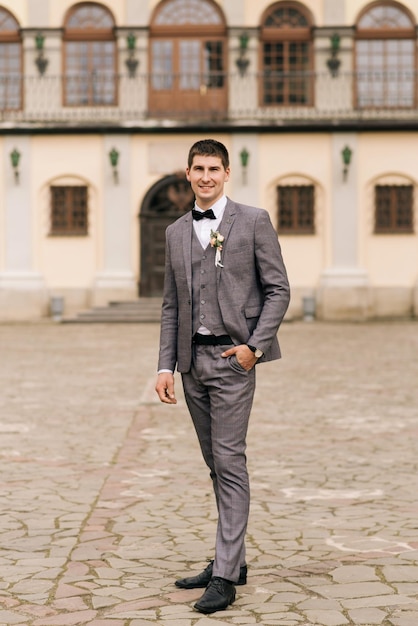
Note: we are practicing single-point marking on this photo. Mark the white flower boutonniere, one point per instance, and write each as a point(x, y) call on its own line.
point(216, 240)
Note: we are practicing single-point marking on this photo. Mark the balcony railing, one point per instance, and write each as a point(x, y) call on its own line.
point(256, 98)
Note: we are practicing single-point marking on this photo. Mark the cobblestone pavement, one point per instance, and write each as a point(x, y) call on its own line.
point(105, 499)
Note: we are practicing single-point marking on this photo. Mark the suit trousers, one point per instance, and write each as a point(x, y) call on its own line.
point(219, 394)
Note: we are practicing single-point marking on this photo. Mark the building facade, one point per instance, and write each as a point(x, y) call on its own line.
point(100, 102)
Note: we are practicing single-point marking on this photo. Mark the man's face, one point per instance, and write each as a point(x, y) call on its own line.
point(207, 177)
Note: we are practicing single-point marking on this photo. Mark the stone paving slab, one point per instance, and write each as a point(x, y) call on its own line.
point(105, 499)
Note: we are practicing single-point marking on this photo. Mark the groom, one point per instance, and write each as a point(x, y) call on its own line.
point(225, 295)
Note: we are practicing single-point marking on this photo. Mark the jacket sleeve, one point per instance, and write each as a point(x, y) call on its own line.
point(169, 316)
point(273, 281)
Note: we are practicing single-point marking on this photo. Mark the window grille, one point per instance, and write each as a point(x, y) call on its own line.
point(182, 12)
point(69, 210)
point(385, 57)
point(286, 66)
point(394, 209)
point(10, 63)
point(296, 209)
point(90, 57)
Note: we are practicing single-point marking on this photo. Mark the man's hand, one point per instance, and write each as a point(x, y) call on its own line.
point(165, 388)
point(244, 356)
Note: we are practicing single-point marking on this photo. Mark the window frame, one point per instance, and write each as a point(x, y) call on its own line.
point(207, 88)
point(286, 35)
point(384, 34)
point(68, 230)
point(14, 37)
point(296, 229)
point(393, 229)
point(89, 36)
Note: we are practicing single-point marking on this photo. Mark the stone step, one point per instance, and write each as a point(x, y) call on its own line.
point(143, 310)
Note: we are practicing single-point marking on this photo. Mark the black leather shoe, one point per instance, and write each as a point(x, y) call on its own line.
point(219, 594)
point(203, 579)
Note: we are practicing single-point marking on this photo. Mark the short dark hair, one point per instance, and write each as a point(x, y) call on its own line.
point(209, 147)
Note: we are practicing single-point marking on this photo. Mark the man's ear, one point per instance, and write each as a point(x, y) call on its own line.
point(188, 174)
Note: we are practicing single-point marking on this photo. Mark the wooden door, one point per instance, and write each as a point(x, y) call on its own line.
point(187, 78)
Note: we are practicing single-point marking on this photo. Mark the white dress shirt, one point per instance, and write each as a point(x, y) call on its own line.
point(202, 229)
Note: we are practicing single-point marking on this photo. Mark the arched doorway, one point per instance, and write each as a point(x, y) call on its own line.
point(164, 202)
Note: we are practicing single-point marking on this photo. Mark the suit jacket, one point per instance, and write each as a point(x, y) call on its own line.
point(252, 286)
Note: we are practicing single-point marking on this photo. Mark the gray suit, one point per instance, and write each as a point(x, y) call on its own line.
point(253, 295)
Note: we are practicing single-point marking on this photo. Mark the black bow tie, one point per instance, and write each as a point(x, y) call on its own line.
point(198, 215)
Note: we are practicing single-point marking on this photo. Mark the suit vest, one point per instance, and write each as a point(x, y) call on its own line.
point(205, 306)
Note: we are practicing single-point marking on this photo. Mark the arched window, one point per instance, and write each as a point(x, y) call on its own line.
point(10, 62)
point(394, 205)
point(295, 197)
point(385, 56)
point(286, 55)
point(188, 59)
point(69, 210)
point(89, 56)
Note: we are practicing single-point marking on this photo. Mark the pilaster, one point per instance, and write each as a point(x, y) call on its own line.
point(243, 186)
point(415, 300)
point(22, 290)
point(344, 287)
point(115, 279)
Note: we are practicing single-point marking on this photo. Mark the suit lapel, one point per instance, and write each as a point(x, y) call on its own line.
point(187, 249)
point(225, 227)
point(228, 218)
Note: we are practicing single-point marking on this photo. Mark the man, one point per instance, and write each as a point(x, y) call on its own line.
point(225, 295)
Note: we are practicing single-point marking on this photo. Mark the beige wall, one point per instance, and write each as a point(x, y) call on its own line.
point(285, 158)
point(391, 260)
point(18, 8)
point(282, 158)
point(3, 165)
point(251, 10)
point(67, 159)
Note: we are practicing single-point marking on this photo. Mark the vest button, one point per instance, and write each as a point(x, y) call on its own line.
point(203, 302)
point(202, 317)
point(204, 257)
point(202, 271)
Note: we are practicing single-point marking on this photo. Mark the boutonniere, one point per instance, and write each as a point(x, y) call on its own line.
point(216, 241)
